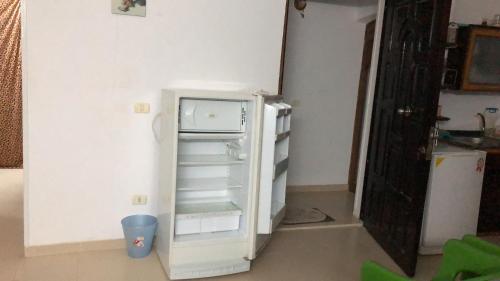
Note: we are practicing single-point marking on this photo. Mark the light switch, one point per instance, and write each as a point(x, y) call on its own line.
point(141, 107)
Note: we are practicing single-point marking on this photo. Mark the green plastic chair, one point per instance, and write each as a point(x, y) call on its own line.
point(475, 259)
point(371, 271)
point(489, 277)
point(374, 272)
point(482, 245)
point(470, 257)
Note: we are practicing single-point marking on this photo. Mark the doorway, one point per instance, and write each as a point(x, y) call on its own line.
point(326, 59)
point(411, 66)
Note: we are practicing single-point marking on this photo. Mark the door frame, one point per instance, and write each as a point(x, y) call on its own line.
point(360, 103)
point(24, 85)
point(283, 49)
point(367, 119)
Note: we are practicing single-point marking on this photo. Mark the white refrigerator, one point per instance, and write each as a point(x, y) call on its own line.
point(223, 163)
point(453, 196)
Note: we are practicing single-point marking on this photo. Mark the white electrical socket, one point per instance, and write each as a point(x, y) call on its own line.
point(141, 107)
point(139, 200)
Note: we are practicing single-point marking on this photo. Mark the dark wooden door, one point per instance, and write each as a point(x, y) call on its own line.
point(360, 104)
point(405, 105)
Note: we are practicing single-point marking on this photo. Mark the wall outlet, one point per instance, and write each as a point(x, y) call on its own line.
point(139, 200)
point(141, 107)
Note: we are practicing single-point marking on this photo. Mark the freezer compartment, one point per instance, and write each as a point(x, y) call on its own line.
point(204, 115)
point(206, 217)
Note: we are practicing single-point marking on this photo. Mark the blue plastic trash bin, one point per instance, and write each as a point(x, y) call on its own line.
point(139, 232)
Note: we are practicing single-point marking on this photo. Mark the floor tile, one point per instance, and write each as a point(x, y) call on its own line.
point(116, 265)
point(314, 254)
point(48, 268)
point(8, 268)
point(427, 267)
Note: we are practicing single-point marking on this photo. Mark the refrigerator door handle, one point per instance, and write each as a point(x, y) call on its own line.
point(432, 142)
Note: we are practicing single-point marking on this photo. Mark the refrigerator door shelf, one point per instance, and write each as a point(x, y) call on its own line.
point(282, 136)
point(278, 210)
point(280, 167)
point(274, 165)
point(282, 109)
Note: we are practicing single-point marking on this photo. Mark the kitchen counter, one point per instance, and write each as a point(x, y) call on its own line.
point(489, 150)
point(480, 143)
point(495, 150)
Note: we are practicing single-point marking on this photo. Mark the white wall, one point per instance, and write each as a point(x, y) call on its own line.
point(322, 67)
point(463, 108)
point(367, 11)
point(86, 152)
point(467, 11)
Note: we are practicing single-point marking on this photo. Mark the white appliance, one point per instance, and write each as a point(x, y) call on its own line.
point(453, 196)
point(223, 163)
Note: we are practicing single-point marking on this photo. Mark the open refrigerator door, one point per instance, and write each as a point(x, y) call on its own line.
point(273, 168)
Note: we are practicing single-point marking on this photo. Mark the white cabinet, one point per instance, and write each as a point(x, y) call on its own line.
point(456, 175)
point(215, 151)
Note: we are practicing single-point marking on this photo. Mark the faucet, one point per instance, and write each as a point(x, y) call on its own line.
point(482, 128)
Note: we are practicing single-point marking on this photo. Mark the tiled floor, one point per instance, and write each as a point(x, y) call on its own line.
point(321, 254)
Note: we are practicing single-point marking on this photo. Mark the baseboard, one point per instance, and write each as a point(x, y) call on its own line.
point(317, 188)
point(313, 226)
point(78, 247)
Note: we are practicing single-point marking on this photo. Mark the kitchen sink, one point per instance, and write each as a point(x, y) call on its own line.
point(475, 142)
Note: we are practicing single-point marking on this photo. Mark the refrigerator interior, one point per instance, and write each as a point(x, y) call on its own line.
point(213, 179)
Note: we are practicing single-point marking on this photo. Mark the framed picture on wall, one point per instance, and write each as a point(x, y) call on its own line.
point(129, 7)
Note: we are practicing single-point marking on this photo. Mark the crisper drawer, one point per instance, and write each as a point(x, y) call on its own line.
point(198, 115)
point(206, 217)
